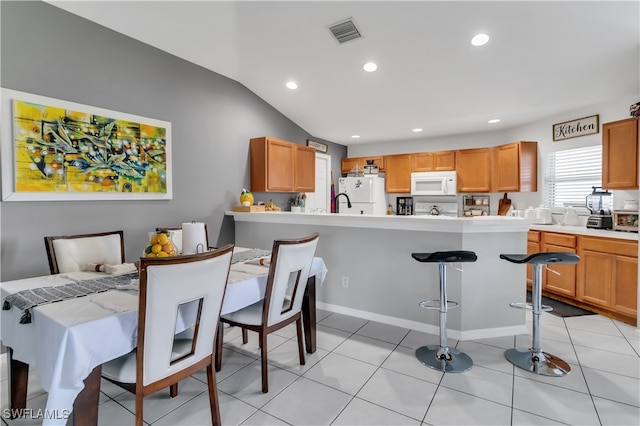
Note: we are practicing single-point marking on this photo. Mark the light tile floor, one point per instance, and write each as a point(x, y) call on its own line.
point(366, 373)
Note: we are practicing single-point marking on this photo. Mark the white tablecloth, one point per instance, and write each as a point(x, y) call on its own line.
point(66, 340)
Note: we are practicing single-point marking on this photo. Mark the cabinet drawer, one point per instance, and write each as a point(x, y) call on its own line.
point(610, 246)
point(563, 240)
point(533, 236)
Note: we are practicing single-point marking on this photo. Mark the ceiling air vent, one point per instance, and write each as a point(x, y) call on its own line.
point(345, 31)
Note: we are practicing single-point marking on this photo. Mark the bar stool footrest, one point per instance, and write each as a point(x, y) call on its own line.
point(529, 306)
point(435, 304)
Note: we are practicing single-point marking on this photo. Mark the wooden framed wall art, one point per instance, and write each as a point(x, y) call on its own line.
point(55, 150)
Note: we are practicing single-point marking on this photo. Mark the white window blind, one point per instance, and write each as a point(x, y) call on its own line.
point(570, 175)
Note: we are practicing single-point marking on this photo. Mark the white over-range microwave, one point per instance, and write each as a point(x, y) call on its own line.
point(434, 183)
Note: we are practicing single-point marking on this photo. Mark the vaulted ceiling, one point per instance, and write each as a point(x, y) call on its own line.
point(543, 58)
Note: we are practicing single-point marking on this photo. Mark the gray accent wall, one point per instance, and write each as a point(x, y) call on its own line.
point(50, 52)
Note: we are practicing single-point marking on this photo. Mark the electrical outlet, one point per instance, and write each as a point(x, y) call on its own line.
point(345, 282)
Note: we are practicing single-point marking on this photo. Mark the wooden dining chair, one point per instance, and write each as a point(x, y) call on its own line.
point(70, 253)
point(288, 273)
point(160, 360)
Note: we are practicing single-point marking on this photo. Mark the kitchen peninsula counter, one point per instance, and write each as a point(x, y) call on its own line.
point(409, 223)
point(373, 276)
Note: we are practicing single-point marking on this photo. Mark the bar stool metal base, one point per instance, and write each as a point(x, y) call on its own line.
point(434, 357)
point(541, 363)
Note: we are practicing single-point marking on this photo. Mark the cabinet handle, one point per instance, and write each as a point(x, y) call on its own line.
point(551, 270)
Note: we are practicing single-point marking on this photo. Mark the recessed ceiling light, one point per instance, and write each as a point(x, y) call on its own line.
point(480, 40)
point(495, 120)
point(355, 136)
point(370, 67)
point(417, 130)
point(291, 85)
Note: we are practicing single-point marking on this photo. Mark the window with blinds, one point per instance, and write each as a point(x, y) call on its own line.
point(570, 175)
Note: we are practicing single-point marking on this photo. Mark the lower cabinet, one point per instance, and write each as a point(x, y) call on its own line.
point(605, 279)
point(533, 246)
point(608, 275)
point(560, 279)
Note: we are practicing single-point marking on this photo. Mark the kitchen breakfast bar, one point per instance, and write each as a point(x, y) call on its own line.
point(373, 276)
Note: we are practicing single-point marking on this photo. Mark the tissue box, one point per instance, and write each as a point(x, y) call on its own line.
point(635, 109)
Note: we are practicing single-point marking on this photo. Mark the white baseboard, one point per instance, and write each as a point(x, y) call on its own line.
point(484, 333)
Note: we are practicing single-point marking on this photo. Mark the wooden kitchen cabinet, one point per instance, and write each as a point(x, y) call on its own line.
point(564, 281)
point(533, 246)
point(608, 275)
point(281, 166)
point(515, 167)
point(398, 173)
point(474, 170)
point(620, 154)
point(349, 165)
point(433, 161)
point(304, 176)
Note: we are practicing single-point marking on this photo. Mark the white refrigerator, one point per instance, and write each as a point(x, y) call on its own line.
point(366, 194)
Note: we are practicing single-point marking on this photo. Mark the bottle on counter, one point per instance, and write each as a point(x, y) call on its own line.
point(389, 210)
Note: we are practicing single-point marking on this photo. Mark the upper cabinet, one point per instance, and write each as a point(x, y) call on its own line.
point(281, 166)
point(304, 176)
point(507, 168)
point(352, 164)
point(620, 154)
point(474, 170)
point(515, 167)
point(433, 161)
point(398, 173)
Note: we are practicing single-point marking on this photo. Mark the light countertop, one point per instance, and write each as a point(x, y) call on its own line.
point(583, 230)
point(479, 224)
point(426, 223)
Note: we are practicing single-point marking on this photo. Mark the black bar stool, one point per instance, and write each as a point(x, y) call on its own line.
point(443, 357)
point(535, 359)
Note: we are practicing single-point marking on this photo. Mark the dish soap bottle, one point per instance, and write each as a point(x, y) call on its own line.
point(389, 210)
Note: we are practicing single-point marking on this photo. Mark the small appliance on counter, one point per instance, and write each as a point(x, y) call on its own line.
point(404, 206)
point(429, 208)
point(361, 195)
point(598, 203)
point(625, 220)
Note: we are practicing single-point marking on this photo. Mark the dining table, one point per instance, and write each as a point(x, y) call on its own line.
point(66, 342)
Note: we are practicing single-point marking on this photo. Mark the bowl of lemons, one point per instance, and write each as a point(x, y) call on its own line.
point(160, 245)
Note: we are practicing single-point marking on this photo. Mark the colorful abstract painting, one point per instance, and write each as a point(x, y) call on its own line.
point(69, 151)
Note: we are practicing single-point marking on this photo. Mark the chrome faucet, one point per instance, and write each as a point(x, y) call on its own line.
point(338, 204)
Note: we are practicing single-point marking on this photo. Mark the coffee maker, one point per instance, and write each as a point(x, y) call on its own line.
point(598, 203)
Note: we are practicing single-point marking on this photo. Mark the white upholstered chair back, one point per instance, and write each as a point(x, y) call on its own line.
point(73, 252)
point(165, 285)
point(290, 264)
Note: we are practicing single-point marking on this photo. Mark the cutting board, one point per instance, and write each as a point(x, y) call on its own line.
point(249, 209)
point(504, 205)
